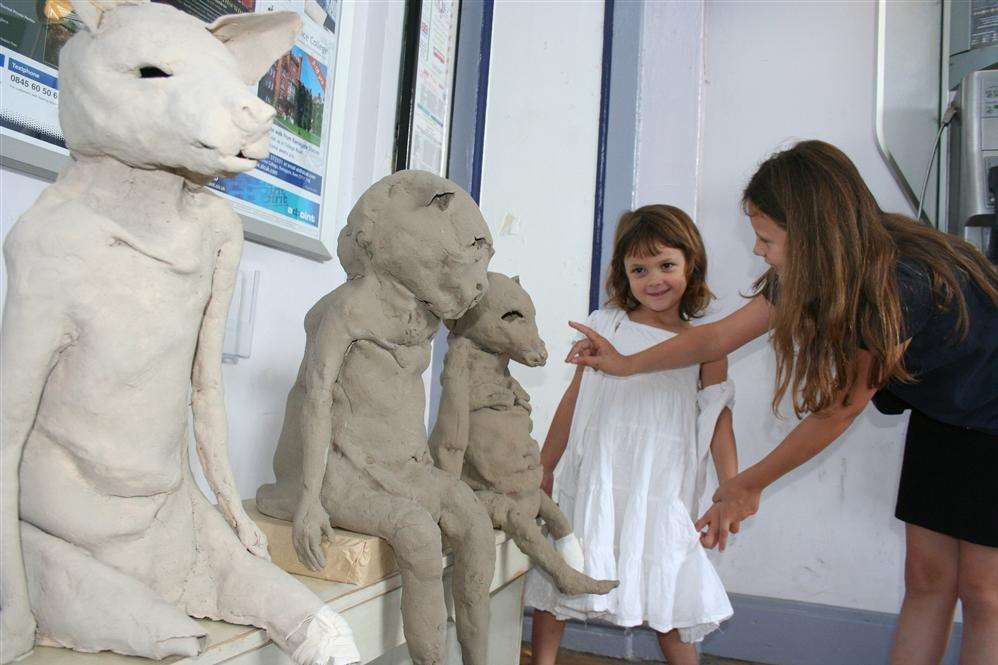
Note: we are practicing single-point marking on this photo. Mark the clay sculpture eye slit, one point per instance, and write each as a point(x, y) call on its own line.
point(512, 315)
point(152, 72)
point(441, 200)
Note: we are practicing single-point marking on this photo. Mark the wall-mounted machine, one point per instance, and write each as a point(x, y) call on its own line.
point(937, 72)
point(972, 166)
point(973, 161)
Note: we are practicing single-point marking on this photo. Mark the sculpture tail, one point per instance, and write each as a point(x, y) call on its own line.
point(328, 640)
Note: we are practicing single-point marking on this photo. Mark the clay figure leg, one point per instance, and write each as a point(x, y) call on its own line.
point(415, 538)
point(230, 584)
point(555, 520)
point(84, 604)
point(278, 500)
point(521, 525)
point(469, 530)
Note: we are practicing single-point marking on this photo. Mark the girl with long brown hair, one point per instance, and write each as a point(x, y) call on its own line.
point(862, 304)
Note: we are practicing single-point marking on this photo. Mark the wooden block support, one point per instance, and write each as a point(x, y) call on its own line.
point(354, 558)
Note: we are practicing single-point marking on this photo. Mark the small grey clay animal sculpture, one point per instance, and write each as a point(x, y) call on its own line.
point(120, 280)
point(482, 433)
point(353, 451)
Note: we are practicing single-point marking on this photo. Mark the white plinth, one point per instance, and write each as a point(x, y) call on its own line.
point(373, 612)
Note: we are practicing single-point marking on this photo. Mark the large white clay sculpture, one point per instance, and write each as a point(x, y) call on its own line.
point(353, 452)
point(482, 433)
point(120, 277)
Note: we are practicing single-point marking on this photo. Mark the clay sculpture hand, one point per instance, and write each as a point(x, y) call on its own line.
point(353, 451)
point(120, 280)
point(482, 433)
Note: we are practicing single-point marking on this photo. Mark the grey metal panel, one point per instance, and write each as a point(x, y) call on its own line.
point(959, 40)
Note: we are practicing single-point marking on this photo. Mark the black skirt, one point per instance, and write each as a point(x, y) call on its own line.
point(949, 480)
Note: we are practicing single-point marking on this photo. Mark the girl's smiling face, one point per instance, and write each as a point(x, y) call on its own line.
point(657, 282)
point(770, 237)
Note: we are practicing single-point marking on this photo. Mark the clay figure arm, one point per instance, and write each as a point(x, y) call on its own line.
point(710, 342)
point(722, 443)
point(561, 426)
point(35, 330)
point(324, 356)
point(739, 497)
point(208, 399)
point(449, 439)
point(522, 397)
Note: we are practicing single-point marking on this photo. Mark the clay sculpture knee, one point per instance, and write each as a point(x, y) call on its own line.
point(482, 433)
point(120, 280)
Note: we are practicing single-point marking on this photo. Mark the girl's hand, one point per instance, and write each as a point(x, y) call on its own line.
point(734, 500)
point(597, 352)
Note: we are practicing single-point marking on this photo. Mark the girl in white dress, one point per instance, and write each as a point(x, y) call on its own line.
point(631, 453)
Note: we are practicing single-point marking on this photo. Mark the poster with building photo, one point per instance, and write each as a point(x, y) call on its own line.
point(434, 84)
point(32, 33)
point(284, 191)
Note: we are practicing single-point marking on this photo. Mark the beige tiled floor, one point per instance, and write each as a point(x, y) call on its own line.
point(566, 657)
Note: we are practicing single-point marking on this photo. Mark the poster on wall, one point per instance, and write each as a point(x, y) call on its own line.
point(424, 138)
point(281, 200)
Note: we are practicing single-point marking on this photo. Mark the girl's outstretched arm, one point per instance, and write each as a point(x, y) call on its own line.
point(702, 344)
point(561, 425)
point(739, 497)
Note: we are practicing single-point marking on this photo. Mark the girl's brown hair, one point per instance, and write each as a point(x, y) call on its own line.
point(641, 233)
point(838, 289)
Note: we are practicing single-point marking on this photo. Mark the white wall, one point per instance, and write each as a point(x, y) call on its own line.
point(539, 170)
point(670, 84)
point(256, 388)
point(774, 74)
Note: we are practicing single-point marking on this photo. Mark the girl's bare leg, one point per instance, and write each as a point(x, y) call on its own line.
point(545, 638)
point(977, 588)
point(676, 651)
point(930, 579)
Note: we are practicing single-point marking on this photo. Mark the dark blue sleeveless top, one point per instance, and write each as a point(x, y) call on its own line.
point(956, 377)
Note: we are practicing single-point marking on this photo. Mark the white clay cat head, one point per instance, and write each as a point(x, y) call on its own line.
point(156, 88)
point(504, 322)
point(424, 232)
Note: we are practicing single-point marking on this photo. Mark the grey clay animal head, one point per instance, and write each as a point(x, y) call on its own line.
point(424, 232)
point(154, 87)
point(504, 322)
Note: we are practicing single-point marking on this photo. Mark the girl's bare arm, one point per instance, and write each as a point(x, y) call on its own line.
point(739, 497)
point(561, 424)
point(707, 343)
point(722, 444)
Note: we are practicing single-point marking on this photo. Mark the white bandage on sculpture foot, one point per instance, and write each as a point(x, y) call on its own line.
point(571, 551)
point(328, 640)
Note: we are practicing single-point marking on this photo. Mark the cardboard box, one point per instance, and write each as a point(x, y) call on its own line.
point(350, 557)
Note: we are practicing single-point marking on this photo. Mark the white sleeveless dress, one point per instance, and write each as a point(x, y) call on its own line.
point(630, 481)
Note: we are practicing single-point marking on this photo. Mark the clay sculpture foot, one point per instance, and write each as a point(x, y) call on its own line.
point(528, 536)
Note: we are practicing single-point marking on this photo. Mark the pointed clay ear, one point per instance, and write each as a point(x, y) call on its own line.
point(257, 40)
point(90, 11)
point(516, 279)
